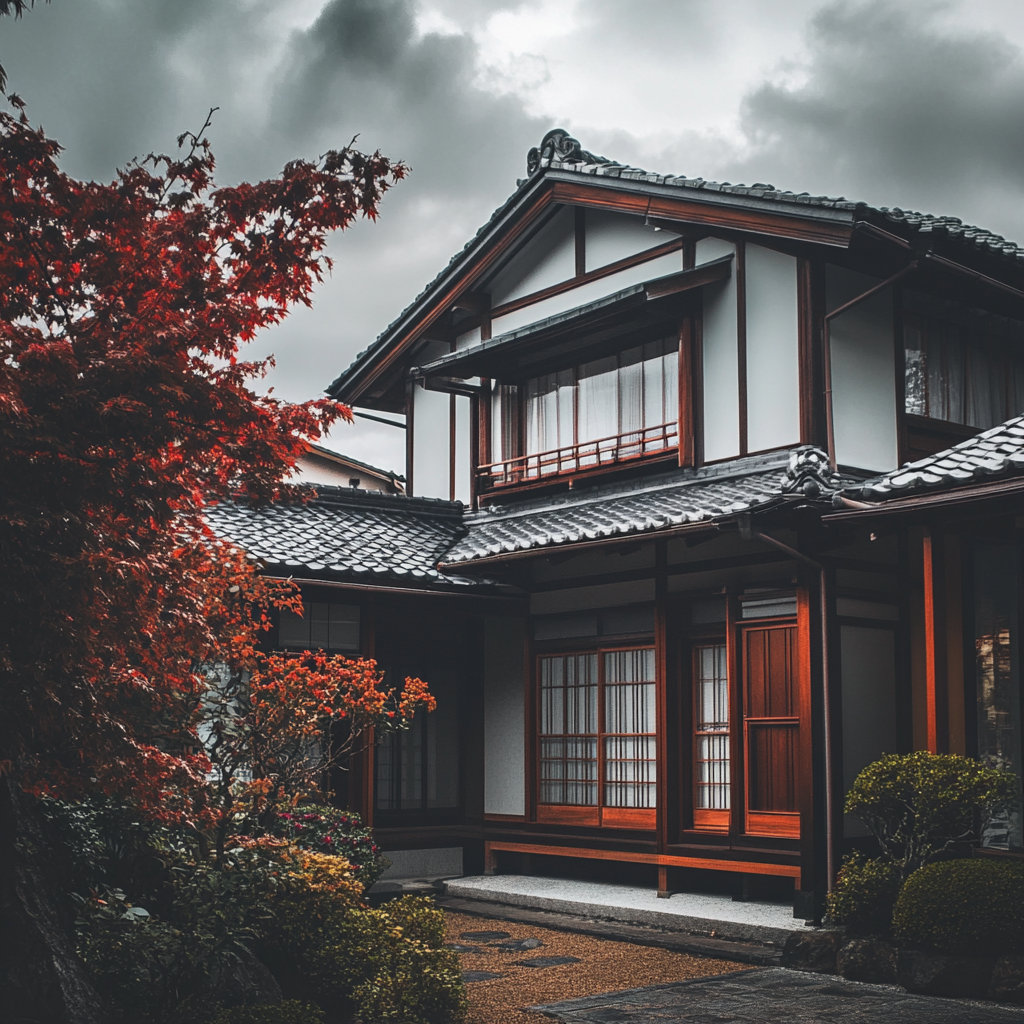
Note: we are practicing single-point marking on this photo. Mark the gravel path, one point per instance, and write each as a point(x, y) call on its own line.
point(601, 965)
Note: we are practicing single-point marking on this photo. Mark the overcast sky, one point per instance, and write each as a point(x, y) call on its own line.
point(911, 103)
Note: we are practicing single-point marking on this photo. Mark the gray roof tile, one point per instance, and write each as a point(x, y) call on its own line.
point(672, 499)
point(352, 534)
point(992, 453)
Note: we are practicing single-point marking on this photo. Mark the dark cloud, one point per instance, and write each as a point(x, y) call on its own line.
point(899, 111)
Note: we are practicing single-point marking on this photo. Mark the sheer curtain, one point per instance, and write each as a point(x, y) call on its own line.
point(712, 728)
point(568, 730)
point(630, 766)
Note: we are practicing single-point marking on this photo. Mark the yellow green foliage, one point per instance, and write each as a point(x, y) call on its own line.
point(864, 894)
point(291, 1011)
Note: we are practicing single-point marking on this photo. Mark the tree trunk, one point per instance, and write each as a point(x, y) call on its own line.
point(42, 981)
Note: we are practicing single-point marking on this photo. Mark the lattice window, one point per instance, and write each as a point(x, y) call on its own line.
point(711, 729)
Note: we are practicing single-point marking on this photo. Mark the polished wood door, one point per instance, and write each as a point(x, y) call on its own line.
point(771, 729)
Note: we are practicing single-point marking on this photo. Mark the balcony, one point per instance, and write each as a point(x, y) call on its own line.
point(603, 453)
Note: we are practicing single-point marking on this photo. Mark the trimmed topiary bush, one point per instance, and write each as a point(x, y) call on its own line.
point(919, 806)
point(864, 895)
point(291, 1011)
point(973, 906)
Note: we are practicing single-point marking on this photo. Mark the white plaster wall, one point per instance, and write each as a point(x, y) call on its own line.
point(614, 236)
point(672, 263)
point(773, 358)
point(504, 717)
point(431, 440)
point(863, 373)
point(462, 460)
point(868, 665)
point(721, 362)
point(466, 340)
point(546, 259)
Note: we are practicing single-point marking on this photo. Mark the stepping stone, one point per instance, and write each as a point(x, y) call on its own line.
point(484, 936)
point(548, 961)
point(460, 948)
point(517, 945)
point(470, 976)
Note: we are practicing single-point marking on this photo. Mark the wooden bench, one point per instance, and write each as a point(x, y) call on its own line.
point(663, 861)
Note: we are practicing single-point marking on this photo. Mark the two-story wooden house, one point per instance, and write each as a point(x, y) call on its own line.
point(659, 559)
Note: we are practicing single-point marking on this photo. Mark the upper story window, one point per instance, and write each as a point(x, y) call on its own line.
point(322, 626)
point(598, 413)
point(961, 366)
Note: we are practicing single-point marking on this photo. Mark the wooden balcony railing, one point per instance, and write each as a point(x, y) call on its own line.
point(606, 451)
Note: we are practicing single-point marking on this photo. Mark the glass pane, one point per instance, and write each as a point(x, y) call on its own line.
point(631, 400)
point(293, 630)
point(568, 748)
point(343, 627)
point(630, 770)
point(712, 728)
point(997, 679)
point(598, 400)
point(915, 386)
point(319, 625)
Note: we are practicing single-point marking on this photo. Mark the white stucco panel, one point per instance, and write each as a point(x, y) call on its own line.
point(614, 236)
point(431, 441)
point(863, 373)
point(548, 258)
point(773, 356)
point(504, 717)
point(721, 362)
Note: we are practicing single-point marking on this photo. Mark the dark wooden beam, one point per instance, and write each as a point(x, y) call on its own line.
point(935, 655)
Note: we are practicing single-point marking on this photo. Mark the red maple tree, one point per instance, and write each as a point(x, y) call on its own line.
point(124, 412)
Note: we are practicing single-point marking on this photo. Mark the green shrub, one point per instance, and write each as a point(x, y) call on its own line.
point(291, 1011)
point(324, 829)
point(864, 895)
point(962, 906)
point(920, 805)
point(375, 965)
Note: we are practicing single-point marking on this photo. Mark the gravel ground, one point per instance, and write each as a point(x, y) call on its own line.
point(604, 966)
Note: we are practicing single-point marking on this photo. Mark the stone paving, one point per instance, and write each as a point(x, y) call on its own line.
point(774, 996)
point(696, 913)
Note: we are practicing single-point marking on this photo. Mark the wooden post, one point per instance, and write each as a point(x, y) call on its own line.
point(936, 658)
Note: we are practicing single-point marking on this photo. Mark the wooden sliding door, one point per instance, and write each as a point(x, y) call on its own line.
point(771, 728)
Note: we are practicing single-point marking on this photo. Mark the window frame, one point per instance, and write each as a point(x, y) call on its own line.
point(597, 815)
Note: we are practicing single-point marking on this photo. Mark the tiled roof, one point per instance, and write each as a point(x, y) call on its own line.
point(674, 499)
point(362, 536)
point(560, 152)
point(998, 452)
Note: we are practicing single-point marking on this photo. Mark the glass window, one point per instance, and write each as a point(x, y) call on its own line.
point(322, 626)
point(711, 729)
point(618, 407)
point(577, 691)
point(962, 365)
point(997, 679)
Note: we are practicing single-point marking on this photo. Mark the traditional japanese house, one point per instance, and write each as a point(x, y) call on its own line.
point(662, 559)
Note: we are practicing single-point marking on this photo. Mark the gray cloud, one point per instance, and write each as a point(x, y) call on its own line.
point(897, 110)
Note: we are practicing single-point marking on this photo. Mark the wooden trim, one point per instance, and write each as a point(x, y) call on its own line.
point(580, 215)
point(365, 758)
point(710, 821)
point(629, 817)
point(900, 355)
point(587, 278)
point(737, 747)
point(518, 818)
point(741, 341)
point(560, 814)
point(475, 404)
point(452, 418)
point(666, 800)
point(773, 823)
point(684, 386)
point(704, 214)
point(531, 724)
point(493, 846)
point(809, 627)
point(689, 252)
point(410, 431)
point(810, 309)
point(935, 654)
point(697, 384)
point(446, 298)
